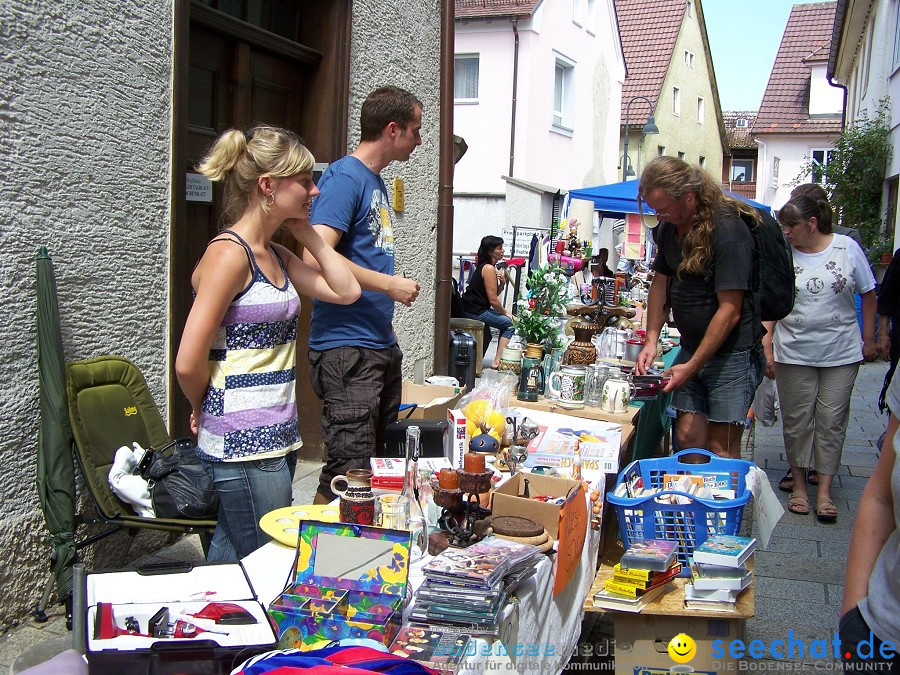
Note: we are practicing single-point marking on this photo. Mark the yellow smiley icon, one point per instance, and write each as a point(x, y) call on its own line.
point(682, 648)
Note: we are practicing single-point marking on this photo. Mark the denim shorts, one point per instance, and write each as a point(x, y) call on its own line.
point(723, 390)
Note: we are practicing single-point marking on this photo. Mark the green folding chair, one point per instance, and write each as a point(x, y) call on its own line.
point(111, 406)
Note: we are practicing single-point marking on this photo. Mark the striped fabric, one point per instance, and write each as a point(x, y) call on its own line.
point(250, 410)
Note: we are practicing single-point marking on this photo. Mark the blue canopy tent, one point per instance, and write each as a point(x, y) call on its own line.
point(617, 199)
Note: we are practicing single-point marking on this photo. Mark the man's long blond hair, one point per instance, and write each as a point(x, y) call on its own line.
point(676, 178)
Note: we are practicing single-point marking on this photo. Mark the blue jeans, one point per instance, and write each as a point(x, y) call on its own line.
point(724, 388)
point(247, 491)
point(491, 317)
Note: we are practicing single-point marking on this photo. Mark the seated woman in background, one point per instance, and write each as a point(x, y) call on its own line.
point(481, 301)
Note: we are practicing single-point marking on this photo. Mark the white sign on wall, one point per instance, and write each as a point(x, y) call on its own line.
point(198, 188)
point(523, 241)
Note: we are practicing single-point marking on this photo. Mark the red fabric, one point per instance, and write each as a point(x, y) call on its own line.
point(319, 670)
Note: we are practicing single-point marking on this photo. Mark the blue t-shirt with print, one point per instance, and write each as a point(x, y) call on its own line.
point(354, 200)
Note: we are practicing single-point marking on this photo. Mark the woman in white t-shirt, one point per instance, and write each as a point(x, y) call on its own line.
point(817, 347)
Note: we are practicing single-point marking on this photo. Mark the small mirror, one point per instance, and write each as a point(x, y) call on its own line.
point(350, 557)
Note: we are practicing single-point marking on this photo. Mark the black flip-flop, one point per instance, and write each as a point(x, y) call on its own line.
point(812, 477)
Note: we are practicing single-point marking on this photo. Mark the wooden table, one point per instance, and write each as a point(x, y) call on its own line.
point(641, 638)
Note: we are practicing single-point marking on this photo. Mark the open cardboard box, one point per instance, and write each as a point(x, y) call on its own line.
point(642, 642)
point(432, 400)
point(565, 522)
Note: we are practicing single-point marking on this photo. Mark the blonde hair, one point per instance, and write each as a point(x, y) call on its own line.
point(238, 160)
point(676, 178)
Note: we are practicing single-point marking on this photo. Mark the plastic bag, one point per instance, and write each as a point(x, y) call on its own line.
point(486, 404)
point(764, 402)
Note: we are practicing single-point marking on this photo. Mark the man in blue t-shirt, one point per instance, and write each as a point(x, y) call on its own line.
point(354, 357)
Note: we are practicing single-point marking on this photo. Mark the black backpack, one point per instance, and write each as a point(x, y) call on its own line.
point(179, 485)
point(456, 302)
point(773, 268)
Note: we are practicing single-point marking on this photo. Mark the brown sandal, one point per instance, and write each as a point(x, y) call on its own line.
point(799, 504)
point(826, 511)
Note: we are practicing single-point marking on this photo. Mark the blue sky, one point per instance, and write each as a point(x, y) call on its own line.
point(744, 39)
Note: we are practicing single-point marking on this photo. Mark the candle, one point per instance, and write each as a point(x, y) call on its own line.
point(473, 462)
point(448, 479)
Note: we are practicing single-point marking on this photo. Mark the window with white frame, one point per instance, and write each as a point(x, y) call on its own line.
point(776, 166)
point(688, 58)
point(896, 57)
point(578, 12)
point(701, 109)
point(660, 150)
point(702, 161)
point(820, 159)
point(676, 101)
point(681, 156)
point(741, 123)
point(590, 14)
point(465, 78)
point(689, 10)
point(742, 171)
point(563, 93)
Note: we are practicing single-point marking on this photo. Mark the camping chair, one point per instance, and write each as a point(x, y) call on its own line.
point(110, 406)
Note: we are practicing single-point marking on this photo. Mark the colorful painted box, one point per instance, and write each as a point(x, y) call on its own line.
point(348, 581)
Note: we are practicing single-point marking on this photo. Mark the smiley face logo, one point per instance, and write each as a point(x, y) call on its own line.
point(682, 648)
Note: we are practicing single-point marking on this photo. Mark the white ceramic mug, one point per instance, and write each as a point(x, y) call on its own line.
point(616, 395)
point(567, 385)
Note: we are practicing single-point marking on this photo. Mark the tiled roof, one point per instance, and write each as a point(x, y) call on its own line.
point(483, 9)
point(785, 104)
point(738, 137)
point(648, 29)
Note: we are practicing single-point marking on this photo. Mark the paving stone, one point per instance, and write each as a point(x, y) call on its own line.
point(798, 611)
point(861, 471)
point(768, 631)
point(836, 553)
point(857, 458)
point(793, 546)
point(786, 566)
point(186, 549)
point(788, 589)
point(834, 594)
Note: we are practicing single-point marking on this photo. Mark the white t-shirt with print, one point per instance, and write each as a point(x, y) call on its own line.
point(822, 329)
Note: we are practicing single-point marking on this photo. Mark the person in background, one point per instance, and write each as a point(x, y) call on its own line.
point(481, 300)
point(599, 267)
point(887, 342)
point(815, 351)
point(354, 358)
point(871, 608)
point(237, 359)
point(703, 270)
point(817, 193)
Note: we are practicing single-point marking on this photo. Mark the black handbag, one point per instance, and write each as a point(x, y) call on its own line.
point(179, 485)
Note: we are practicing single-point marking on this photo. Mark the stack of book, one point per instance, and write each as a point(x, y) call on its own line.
point(467, 588)
point(719, 573)
point(642, 575)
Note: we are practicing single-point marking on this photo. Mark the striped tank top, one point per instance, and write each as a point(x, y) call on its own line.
point(250, 411)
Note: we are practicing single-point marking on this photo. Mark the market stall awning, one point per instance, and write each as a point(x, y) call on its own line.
point(617, 199)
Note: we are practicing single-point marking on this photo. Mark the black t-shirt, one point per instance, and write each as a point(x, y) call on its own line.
point(693, 297)
point(475, 299)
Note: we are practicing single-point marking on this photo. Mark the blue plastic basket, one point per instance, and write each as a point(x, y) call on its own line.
point(692, 522)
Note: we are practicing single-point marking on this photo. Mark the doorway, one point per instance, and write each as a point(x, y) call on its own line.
point(241, 63)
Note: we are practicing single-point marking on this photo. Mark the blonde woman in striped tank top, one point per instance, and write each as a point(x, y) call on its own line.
point(237, 359)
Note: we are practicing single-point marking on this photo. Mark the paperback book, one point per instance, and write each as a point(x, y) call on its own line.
point(650, 554)
point(646, 584)
point(704, 581)
point(606, 600)
point(725, 549)
point(439, 650)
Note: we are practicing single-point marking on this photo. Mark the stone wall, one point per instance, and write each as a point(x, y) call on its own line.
point(398, 43)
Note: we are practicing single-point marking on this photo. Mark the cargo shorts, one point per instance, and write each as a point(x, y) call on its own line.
point(361, 390)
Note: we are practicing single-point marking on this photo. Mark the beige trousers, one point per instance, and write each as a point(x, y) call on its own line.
point(815, 409)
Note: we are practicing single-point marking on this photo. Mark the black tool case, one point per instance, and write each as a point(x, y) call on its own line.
point(137, 596)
